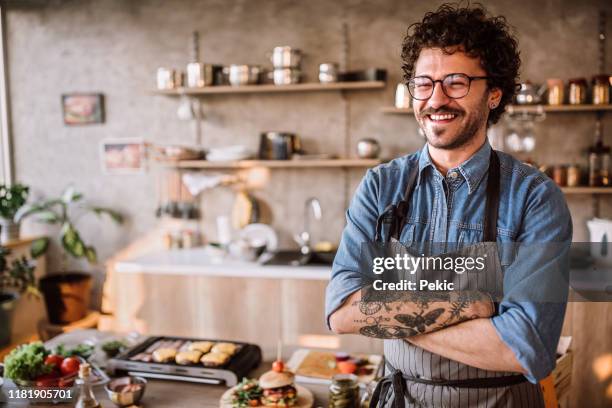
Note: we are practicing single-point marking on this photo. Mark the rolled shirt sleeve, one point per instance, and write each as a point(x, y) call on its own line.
point(360, 228)
point(531, 329)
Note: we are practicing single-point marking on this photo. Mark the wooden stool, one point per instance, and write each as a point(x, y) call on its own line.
point(48, 330)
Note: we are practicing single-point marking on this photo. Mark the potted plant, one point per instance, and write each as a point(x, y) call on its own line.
point(12, 198)
point(16, 278)
point(66, 292)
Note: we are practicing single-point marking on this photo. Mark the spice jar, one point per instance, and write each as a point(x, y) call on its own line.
point(344, 391)
point(601, 90)
point(573, 175)
point(577, 91)
point(556, 91)
point(560, 175)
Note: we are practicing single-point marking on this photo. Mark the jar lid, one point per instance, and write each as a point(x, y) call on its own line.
point(579, 81)
point(554, 81)
point(601, 79)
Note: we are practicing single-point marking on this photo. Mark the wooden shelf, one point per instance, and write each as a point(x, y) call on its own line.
point(286, 164)
point(587, 190)
point(305, 87)
point(524, 108)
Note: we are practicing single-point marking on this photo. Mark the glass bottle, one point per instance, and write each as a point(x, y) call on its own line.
point(599, 160)
point(86, 396)
point(344, 392)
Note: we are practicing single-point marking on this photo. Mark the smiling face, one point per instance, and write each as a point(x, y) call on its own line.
point(453, 123)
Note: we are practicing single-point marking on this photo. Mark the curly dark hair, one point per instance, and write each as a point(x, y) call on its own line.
point(477, 34)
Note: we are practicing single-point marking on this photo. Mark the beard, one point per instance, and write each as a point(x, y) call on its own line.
point(441, 137)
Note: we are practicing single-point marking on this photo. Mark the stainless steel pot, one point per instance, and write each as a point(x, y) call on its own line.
point(328, 72)
point(286, 76)
point(200, 74)
point(278, 145)
point(286, 57)
point(244, 74)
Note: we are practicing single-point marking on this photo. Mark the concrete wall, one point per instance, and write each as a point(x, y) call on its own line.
point(115, 46)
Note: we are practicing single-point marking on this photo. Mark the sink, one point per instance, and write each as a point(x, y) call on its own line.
point(296, 258)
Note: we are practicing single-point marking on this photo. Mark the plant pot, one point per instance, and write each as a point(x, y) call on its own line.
point(66, 296)
point(7, 305)
point(9, 230)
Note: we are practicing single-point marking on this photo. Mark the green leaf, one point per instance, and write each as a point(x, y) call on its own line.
point(35, 208)
point(115, 216)
point(39, 247)
point(71, 241)
point(70, 195)
point(48, 216)
point(90, 254)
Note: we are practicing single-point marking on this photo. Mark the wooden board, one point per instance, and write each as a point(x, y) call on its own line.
point(305, 398)
point(320, 365)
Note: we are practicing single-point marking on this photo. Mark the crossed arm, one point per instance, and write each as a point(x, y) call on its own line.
point(444, 324)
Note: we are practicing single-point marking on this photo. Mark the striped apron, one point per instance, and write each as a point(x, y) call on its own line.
point(418, 378)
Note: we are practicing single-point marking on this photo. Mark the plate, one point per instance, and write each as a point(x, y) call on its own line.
point(260, 233)
point(305, 398)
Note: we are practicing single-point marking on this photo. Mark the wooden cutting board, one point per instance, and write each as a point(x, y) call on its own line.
point(305, 398)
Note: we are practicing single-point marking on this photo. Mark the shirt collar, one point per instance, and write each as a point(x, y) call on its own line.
point(473, 169)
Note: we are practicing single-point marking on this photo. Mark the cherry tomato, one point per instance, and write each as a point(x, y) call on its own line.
point(54, 360)
point(70, 365)
point(278, 366)
point(347, 367)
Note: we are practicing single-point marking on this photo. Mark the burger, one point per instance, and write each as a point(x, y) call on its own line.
point(278, 389)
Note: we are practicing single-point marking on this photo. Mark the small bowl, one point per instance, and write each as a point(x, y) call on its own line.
point(125, 398)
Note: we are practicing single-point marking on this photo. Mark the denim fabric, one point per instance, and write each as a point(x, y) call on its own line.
point(450, 209)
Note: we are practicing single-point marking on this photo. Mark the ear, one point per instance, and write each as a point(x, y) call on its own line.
point(495, 95)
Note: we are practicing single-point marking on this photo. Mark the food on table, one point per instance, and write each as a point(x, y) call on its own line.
point(342, 356)
point(54, 361)
point(188, 357)
point(82, 350)
point(278, 389)
point(202, 346)
point(227, 348)
point(164, 355)
point(344, 391)
point(70, 366)
point(113, 347)
point(214, 359)
point(278, 366)
point(247, 394)
point(27, 362)
point(347, 367)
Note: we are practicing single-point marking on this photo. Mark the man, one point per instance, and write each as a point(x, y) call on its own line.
point(461, 66)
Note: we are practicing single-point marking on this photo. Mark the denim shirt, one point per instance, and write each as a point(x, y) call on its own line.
point(450, 209)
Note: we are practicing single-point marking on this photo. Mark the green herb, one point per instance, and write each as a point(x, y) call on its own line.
point(26, 362)
point(247, 393)
point(11, 199)
point(113, 347)
point(82, 350)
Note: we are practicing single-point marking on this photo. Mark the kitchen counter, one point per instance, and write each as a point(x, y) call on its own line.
point(197, 262)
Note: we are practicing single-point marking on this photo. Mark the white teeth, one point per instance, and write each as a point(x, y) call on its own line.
point(446, 116)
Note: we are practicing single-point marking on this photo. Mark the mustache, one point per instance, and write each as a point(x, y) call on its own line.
point(432, 111)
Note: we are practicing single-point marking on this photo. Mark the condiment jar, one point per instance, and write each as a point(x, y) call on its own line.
point(577, 91)
point(601, 90)
point(573, 175)
point(556, 91)
point(560, 175)
point(344, 391)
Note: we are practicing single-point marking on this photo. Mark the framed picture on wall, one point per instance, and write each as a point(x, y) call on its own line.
point(123, 156)
point(83, 108)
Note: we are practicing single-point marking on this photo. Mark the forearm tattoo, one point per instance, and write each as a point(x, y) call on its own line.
point(396, 315)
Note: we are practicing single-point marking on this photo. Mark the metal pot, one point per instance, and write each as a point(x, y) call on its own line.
point(278, 145)
point(244, 74)
point(200, 74)
point(328, 72)
point(368, 148)
point(286, 76)
point(286, 57)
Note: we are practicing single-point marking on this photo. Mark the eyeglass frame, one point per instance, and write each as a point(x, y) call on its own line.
point(441, 81)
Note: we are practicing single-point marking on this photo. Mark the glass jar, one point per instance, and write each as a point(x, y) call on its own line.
point(556, 91)
point(601, 90)
point(573, 175)
point(344, 392)
point(577, 91)
point(599, 160)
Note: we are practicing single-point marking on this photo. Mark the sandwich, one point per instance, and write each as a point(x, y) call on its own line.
point(278, 389)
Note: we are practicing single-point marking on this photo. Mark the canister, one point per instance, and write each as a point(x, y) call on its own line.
point(577, 91)
point(556, 94)
point(601, 89)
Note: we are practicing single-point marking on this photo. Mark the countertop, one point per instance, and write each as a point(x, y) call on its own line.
point(198, 262)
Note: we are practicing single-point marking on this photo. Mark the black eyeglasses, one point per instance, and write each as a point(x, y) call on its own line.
point(454, 86)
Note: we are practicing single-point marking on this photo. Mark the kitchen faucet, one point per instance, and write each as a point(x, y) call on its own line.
point(303, 239)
